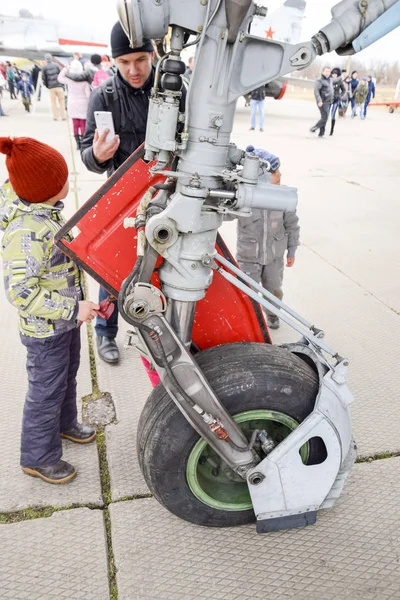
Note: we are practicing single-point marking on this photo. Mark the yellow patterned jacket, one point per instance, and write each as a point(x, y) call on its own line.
point(40, 281)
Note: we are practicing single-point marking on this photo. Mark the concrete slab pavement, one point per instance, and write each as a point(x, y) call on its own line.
point(352, 551)
point(63, 556)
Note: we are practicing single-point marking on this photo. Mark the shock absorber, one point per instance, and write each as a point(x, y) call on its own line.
point(162, 123)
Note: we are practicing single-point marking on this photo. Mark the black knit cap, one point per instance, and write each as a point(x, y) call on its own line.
point(120, 43)
point(95, 59)
point(336, 71)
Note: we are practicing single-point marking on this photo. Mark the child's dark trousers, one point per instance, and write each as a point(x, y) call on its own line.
point(50, 404)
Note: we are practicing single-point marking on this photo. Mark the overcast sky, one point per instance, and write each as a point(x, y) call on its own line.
point(100, 15)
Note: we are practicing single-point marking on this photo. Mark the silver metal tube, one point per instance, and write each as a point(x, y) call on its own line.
point(262, 290)
point(269, 306)
point(224, 194)
point(181, 316)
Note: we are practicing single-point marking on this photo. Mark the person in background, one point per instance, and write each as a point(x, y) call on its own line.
point(78, 99)
point(100, 76)
point(360, 97)
point(26, 89)
point(78, 56)
point(90, 69)
point(35, 79)
point(323, 92)
point(371, 93)
point(264, 237)
point(354, 83)
point(45, 286)
point(188, 73)
point(11, 80)
point(107, 65)
point(257, 100)
point(128, 100)
point(2, 86)
point(346, 97)
point(50, 73)
point(339, 92)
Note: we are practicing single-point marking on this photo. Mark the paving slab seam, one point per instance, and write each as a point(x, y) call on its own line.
point(375, 457)
point(32, 513)
point(106, 493)
point(396, 312)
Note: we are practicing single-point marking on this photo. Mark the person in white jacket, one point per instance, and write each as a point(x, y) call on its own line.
point(78, 99)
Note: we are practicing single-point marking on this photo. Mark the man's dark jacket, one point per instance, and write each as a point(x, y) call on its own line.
point(323, 89)
point(258, 94)
point(50, 73)
point(130, 119)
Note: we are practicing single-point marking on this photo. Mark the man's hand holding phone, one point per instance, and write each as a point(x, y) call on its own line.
point(102, 150)
point(105, 143)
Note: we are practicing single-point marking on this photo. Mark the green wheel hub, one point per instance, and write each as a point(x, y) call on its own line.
point(213, 482)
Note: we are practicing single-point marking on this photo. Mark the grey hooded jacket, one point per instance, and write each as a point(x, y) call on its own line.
point(266, 235)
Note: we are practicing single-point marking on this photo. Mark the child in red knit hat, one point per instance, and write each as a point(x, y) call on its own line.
point(46, 288)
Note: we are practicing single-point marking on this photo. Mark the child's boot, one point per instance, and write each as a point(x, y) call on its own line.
point(81, 434)
point(273, 322)
point(78, 141)
point(61, 472)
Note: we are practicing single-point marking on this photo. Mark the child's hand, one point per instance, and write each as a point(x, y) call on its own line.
point(87, 311)
point(276, 177)
point(290, 261)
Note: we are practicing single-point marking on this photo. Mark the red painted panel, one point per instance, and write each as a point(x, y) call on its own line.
point(108, 252)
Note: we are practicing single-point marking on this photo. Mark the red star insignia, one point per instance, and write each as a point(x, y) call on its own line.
point(270, 34)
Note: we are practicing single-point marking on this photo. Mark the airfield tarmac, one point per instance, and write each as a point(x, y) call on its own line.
point(106, 537)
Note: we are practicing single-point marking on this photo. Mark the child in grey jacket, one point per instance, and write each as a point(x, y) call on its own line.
point(263, 239)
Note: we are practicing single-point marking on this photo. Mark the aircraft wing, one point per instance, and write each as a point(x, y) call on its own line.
point(32, 38)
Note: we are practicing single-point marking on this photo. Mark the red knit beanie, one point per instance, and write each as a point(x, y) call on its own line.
point(37, 171)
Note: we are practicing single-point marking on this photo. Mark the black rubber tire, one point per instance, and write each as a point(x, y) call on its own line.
point(245, 376)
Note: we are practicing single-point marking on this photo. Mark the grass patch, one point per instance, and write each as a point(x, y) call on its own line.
point(29, 514)
point(106, 493)
point(112, 570)
point(134, 497)
point(379, 456)
point(92, 360)
point(104, 472)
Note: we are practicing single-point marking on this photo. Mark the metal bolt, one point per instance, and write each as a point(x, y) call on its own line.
point(200, 28)
point(193, 266)
point(203, 2)
point(256, 478)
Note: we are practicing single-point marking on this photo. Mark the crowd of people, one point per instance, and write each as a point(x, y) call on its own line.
point(74, 80)
point(334, 91)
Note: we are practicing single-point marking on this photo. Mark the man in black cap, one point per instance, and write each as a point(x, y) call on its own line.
point(126, 95)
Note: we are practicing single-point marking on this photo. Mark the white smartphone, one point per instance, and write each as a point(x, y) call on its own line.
point(104, 120)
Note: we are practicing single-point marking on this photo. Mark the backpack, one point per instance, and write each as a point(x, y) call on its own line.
point(99, 77)
point(111, 98)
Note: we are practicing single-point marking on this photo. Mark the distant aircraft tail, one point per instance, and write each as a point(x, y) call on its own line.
point(284, 25)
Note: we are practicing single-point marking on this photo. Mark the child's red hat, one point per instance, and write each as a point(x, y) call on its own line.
point(37, 171)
